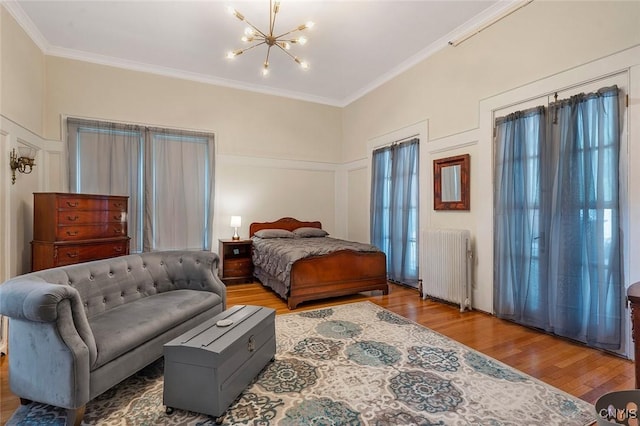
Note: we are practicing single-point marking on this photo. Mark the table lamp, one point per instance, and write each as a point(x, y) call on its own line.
point(236, 222)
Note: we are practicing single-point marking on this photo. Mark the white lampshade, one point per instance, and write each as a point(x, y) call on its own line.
point(236, 221)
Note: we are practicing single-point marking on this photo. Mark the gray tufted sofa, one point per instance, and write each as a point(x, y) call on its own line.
point(76, 331)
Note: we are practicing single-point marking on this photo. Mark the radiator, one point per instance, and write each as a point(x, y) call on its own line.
point(447, 266)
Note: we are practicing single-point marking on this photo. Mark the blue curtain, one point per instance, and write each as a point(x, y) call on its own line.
point(394, 209)
point(519, 235)
point(557, 247)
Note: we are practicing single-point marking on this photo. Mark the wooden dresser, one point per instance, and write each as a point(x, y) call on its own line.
point(74, 228)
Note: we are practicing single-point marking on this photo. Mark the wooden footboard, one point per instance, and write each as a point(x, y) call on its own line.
point(337, 274)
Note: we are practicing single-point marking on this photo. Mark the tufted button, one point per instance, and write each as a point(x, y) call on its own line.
point(91, 277)
point(70, 283)
point(129, 269)
point(138, 289)
point(197, 261)
point(86, 304)
point(104, 300)
point(110, 274)
point(122, 294)
point(155, 285)
point(180, 260)
point(144, 266)
point(161, 262)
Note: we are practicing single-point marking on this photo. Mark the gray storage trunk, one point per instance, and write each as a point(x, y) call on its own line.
point(206, 368)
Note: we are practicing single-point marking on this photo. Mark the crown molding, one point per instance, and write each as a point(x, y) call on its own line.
point(184, 75)
point(18, 13)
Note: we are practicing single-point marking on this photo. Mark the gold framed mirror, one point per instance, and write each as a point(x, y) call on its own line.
point(451, 184)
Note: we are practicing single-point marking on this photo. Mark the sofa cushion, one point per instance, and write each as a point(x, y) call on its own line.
point(125, 327)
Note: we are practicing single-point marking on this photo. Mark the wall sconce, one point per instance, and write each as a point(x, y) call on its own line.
point(236, 222)
point(23, 163)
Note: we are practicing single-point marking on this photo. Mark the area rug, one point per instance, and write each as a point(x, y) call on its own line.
point(354, 364)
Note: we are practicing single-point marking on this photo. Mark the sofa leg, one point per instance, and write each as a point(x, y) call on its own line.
point(25, 401)
point(74, 417)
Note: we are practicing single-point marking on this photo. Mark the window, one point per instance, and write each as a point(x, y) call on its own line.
point(167, 174)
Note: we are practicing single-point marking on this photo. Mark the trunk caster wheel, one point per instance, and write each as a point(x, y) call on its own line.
point(169, 410)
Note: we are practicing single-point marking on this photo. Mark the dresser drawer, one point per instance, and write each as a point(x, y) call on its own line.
point(87, 232)
point(82, 217)
point(70, 254)
point(73, 203)
point(237, 267)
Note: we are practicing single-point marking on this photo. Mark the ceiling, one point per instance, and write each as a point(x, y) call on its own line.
point(353, 48)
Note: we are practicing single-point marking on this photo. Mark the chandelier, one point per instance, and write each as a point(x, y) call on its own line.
point(257, 38)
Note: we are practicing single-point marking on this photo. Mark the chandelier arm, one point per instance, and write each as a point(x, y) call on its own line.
point(251, 47)
point(266, 60)
point(289, 32)
point(255, 28)
point(285, 51)
point(272, 18)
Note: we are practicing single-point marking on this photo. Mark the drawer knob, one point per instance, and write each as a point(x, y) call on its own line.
point(72, 218)
point(72, 255)
point(252, 344)
point(72, 204)
point(117, 230)
point(117, 249)
point(72, 233)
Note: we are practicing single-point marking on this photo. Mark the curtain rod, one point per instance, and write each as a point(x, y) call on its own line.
point(508, 11)
point(404, 139)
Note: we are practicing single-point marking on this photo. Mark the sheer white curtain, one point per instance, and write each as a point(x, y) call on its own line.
point(107, 158)
point(179, 196)
point(167, 174)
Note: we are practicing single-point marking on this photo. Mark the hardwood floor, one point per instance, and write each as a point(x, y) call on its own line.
point(583, 372)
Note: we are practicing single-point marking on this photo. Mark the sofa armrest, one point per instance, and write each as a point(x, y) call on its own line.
point(193, 270)
point(33, 299)
point(30, 298)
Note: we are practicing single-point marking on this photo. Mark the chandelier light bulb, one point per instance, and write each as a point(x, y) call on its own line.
point(235, 13)
point(302, 40)
point(234, 53)
point(249, 32)
point(303, 64)
point(309, 24)
point(265, 69)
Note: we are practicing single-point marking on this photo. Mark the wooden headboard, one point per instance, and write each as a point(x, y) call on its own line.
point(287, 223)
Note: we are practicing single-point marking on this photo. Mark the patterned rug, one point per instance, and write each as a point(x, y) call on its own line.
point(355, 364)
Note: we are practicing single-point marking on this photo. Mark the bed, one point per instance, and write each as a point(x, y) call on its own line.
point(348, 269)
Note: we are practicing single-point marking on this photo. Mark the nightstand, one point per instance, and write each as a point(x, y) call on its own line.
point(235, 261)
